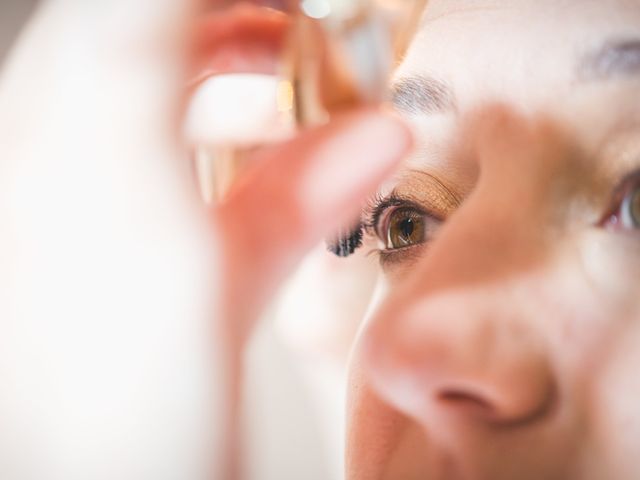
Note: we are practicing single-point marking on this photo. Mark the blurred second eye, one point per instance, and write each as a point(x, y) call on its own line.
point(625, 213)
point(630, 208)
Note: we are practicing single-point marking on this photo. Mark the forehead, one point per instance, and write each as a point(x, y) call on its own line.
point(521, 50)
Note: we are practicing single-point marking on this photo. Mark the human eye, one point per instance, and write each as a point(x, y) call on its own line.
point(401, 226)
point(624, 213)
point(406, 226)
point(402, 221)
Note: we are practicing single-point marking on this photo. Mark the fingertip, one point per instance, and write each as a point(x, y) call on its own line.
point(388, 124)
point(363, 149)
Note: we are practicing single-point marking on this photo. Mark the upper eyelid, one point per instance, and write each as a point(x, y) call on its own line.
point(380, 206)
point(444, 198)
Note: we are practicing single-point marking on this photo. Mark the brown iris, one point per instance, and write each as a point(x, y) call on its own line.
point(406, 227)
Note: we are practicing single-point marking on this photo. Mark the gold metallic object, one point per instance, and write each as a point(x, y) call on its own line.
point(338, 54)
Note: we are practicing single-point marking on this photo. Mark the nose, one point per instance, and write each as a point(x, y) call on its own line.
point(456, 353)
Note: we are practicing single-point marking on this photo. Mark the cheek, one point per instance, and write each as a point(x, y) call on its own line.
point(616, 399)
point(599, 353)
point(612, 264)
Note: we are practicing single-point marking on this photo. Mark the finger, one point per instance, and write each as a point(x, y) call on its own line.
point(296, 195)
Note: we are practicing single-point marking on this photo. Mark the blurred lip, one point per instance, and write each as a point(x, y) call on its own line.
point(245, 38)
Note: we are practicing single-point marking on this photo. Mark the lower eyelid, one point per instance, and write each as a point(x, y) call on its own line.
point(389, 258)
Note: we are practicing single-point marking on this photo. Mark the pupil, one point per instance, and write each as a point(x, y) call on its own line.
point(406, 227)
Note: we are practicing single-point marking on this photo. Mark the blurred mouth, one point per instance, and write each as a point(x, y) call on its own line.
point(244, 38)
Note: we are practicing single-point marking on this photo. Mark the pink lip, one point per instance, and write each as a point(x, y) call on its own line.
point(242, 39)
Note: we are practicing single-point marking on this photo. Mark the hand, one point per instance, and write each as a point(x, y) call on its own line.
point(109, 261)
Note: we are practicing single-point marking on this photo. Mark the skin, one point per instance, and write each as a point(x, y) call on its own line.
point(505, 346)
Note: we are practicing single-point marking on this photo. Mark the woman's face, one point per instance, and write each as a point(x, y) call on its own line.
point(507, 342)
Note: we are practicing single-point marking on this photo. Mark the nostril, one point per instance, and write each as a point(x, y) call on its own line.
point(506, 406)
point(463, 400)
point(460, 360)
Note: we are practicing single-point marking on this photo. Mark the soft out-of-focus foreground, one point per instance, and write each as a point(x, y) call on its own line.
point(295, 391)
point(294, 396)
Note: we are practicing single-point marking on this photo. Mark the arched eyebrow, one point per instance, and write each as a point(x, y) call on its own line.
point(418, 94)
point(617, 58)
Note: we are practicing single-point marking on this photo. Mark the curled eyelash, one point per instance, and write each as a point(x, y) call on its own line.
point(376, 206)
point(348, 241)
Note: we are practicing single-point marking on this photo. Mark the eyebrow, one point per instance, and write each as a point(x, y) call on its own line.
point(419, 94)
point(613, 59)
point(422, 94)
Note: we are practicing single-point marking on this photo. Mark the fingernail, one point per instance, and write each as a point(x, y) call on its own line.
point(365, 149)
